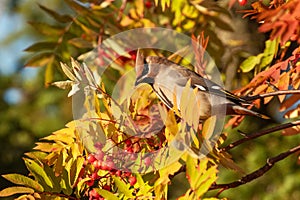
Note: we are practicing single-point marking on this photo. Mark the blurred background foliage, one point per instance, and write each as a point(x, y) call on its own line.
point(30, 111)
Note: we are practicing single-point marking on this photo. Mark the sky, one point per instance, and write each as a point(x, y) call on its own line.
point(12, 50)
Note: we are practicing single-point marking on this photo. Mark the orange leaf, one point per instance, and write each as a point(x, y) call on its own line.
point(268, 99)
point(293, 113)
point(289, 102)
point(291, 131)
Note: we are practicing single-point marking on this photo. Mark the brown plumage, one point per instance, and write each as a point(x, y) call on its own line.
point(169, 79)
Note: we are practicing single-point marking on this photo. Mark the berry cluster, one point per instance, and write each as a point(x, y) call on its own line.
point(97, 172)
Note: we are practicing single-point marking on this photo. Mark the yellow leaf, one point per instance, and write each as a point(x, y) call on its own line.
point(139, 5)
point(15, 190)
point(171, 126)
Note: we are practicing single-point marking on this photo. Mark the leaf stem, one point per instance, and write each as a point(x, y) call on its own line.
point(276, 93)
point(257, 173)
point(260, 133)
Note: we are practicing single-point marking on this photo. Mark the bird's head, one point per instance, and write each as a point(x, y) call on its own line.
point(145, 68)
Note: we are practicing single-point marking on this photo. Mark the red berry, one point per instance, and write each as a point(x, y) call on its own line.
point(90, 183)
point(148, 4)
point(95, 176)
point(99, 155)
point(118, 173)
point(132, 180)
point(133, 55)
point(106, 187)
point(148, 161)
point(129, 149)
point(94, 193)
point(83, 36)
point(242, 2)
point(127, 174)
point(97, 164)
point(108, 165)
point(91, 158)
point(128, 143)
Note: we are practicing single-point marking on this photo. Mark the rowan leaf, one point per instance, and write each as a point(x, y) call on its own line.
point(38, 172)
point(107, 194)
point(49, 73)
point(23, 180)
point(123, 187)
point(41, 46)
point(40, 59)
point(80, 43)
point(269, 53)
point(251, 62)
point(63, 84)
point(15, 190)
point(78, 7)
point(200, 175)
point(58, 17)
point(47, 29)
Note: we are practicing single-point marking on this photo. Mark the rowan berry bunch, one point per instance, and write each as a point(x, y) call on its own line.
point(98, 173)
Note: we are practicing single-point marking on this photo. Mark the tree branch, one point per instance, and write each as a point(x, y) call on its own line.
point(277, 93)
point(257, 173)
point(260, 133)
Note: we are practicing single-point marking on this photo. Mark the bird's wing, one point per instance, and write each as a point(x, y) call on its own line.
point(206, 85)
point(182, 75)
point(163, 93)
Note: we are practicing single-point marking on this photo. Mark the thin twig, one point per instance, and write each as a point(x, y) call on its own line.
point(257, 173)
point(277, 93)
point(261, 133)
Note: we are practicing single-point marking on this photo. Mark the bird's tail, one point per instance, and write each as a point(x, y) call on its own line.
point(239, 110)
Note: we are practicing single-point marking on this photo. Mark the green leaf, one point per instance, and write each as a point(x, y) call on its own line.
point(36, 155)
point(58, 17)
point(40, 59)
point(269, 52)
point(144, 188)
point(251, 62)
point(15, 190)
point(38, 172)
point(78, 7)
point(106, 194)
point(263, 59)
point(23, 180)
point(200, 175)
point(65, 181)
point(123, 187)
point(55, 179)
point(80, 43)
point(49, 73)
point(47, 29)
point(40, 46)
point(206, 180)
point(75, 169)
